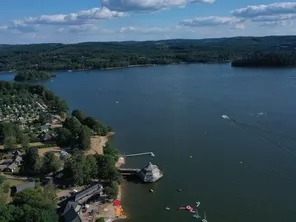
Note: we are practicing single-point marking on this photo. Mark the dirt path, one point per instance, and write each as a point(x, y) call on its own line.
point(55, 149)
point(97, 144)
point(31, 144)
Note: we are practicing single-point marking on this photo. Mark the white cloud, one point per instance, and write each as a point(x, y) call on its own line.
point(79, 29)
point(268, 15)
point(81, 17)
point(146, 30)
point(78, 21)
point(3, 27)
point(240, 26)
point(85, 29)
point(209, 21)
point(21, 26)
point(148, 5)
point(265, 10)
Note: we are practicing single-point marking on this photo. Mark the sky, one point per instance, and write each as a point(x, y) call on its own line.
point(71, 21)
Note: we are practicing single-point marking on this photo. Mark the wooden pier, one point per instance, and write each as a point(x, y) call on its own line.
point(140, 154)
point(128, 171)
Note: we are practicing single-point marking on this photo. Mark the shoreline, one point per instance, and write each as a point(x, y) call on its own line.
point(126, 67)
point(109, 214)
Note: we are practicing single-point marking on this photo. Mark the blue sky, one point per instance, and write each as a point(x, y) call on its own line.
point(70, 21)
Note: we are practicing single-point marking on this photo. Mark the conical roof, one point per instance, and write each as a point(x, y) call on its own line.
point(150, 167)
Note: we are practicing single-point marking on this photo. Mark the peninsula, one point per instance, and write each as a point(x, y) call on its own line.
point(42, 148)
point(32, 75)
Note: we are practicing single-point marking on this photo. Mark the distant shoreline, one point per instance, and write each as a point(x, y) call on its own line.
point(125, 67)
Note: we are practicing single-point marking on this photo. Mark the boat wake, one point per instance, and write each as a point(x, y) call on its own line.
point(248, 127)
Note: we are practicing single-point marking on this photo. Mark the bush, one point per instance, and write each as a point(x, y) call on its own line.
point(112, 190)
point(101, 219)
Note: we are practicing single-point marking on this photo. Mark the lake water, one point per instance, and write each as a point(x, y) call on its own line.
point(239, 174)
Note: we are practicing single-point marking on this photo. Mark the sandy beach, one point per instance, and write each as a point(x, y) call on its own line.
point(108, 210)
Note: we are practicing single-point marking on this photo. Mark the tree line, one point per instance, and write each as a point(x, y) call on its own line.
point(82, 169)
point(77, 130)
point(11, 134)
point(104, 55)
point(259, 59)
point(32, 205)
point(32, 75)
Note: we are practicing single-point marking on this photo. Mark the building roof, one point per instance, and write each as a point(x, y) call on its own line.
point(17, 153)
point(68, 206)
point(47, 136)
point(12, 166)
point(149, 167)
point(69, 213)
point(88, 191)
point(18, 158)
point(71, 216)
point(24, 186)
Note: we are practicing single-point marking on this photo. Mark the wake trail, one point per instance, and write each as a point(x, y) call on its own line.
point(244, 126)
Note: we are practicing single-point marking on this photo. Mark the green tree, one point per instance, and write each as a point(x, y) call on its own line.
point(79, 115)
point(84, 139)
point(72, 124)
point(10, 142)
point(64, 137)
point(60, 106)
point(51, 163)
point(37, 205)
point(24, 141)
point(96, 126)
point(112, 190)
point(74, 169)
point(10, 213)
point(110, 150)
point(90, 169)
point(106, 169)
point(101, 219)
point(32, 163)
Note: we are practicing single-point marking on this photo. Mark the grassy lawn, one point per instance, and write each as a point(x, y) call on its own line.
point(12, 182)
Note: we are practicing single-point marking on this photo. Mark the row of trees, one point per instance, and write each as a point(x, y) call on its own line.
point(279, 59)
point(102, 55)
point(32, 75)
point(84, 169)
point(11, 134)
point(32, 205)
point(34, 165)
point(77, 130)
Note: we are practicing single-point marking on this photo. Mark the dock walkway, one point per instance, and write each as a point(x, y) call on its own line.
point(128, 171)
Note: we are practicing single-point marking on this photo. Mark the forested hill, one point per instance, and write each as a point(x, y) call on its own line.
point(102, 55)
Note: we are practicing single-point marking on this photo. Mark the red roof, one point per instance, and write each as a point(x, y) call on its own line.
point(117, 203)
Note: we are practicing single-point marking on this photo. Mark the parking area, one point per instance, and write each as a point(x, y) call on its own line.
point(89, 212)
point(64, 193)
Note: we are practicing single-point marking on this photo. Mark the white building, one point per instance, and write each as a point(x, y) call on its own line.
point(150, 173)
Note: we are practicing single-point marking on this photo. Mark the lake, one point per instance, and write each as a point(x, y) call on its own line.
point(240, 171)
